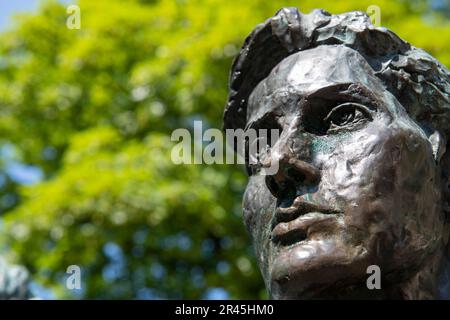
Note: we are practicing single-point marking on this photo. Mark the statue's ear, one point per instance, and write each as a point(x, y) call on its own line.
point(438, 144)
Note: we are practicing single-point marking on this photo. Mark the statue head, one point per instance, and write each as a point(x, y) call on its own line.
point(363, 163)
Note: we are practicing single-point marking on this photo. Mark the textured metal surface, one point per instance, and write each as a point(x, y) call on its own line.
point(364, 171)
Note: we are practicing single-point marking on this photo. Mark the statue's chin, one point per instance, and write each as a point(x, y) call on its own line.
point(307, 269)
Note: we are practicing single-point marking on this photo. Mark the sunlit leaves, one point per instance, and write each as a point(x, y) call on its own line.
point(94, 108)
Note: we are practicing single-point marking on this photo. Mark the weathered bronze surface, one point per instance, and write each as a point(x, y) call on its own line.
point(364, 166)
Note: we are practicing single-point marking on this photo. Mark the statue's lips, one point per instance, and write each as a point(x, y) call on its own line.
point(292, 223)
point(287, 233)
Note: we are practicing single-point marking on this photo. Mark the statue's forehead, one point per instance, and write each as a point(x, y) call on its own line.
point(308, 71)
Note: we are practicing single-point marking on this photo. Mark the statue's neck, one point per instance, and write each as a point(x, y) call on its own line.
point(431, 282)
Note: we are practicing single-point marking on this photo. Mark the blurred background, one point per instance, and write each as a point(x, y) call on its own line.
point(85, 122)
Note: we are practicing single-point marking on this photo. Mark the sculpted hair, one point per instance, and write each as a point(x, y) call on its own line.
point(418, 81)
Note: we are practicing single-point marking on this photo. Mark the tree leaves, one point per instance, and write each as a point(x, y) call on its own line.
point(94, 109)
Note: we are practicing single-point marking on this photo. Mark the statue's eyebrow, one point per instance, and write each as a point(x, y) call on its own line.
point(272, 109)
point(341, 92)
point(266, 121)
point(347, 92)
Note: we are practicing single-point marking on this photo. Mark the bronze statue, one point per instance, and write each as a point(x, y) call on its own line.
point(364, 169)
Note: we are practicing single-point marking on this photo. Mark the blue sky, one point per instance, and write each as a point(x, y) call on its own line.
point(9, 8)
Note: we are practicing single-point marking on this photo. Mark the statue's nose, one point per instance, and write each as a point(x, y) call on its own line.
point(292, 172)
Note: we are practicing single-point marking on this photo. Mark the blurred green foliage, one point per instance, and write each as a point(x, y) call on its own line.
point(94, 109)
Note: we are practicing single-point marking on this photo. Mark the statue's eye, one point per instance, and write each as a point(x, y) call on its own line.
point(347, 116)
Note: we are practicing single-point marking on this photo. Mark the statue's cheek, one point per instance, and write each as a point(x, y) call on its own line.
point(346, 177)
point(258, 205)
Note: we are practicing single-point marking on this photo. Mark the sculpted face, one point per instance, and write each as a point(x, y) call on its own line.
point(357, 184)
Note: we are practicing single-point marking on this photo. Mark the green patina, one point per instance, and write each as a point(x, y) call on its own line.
point(326, 144)
point(321, 145)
